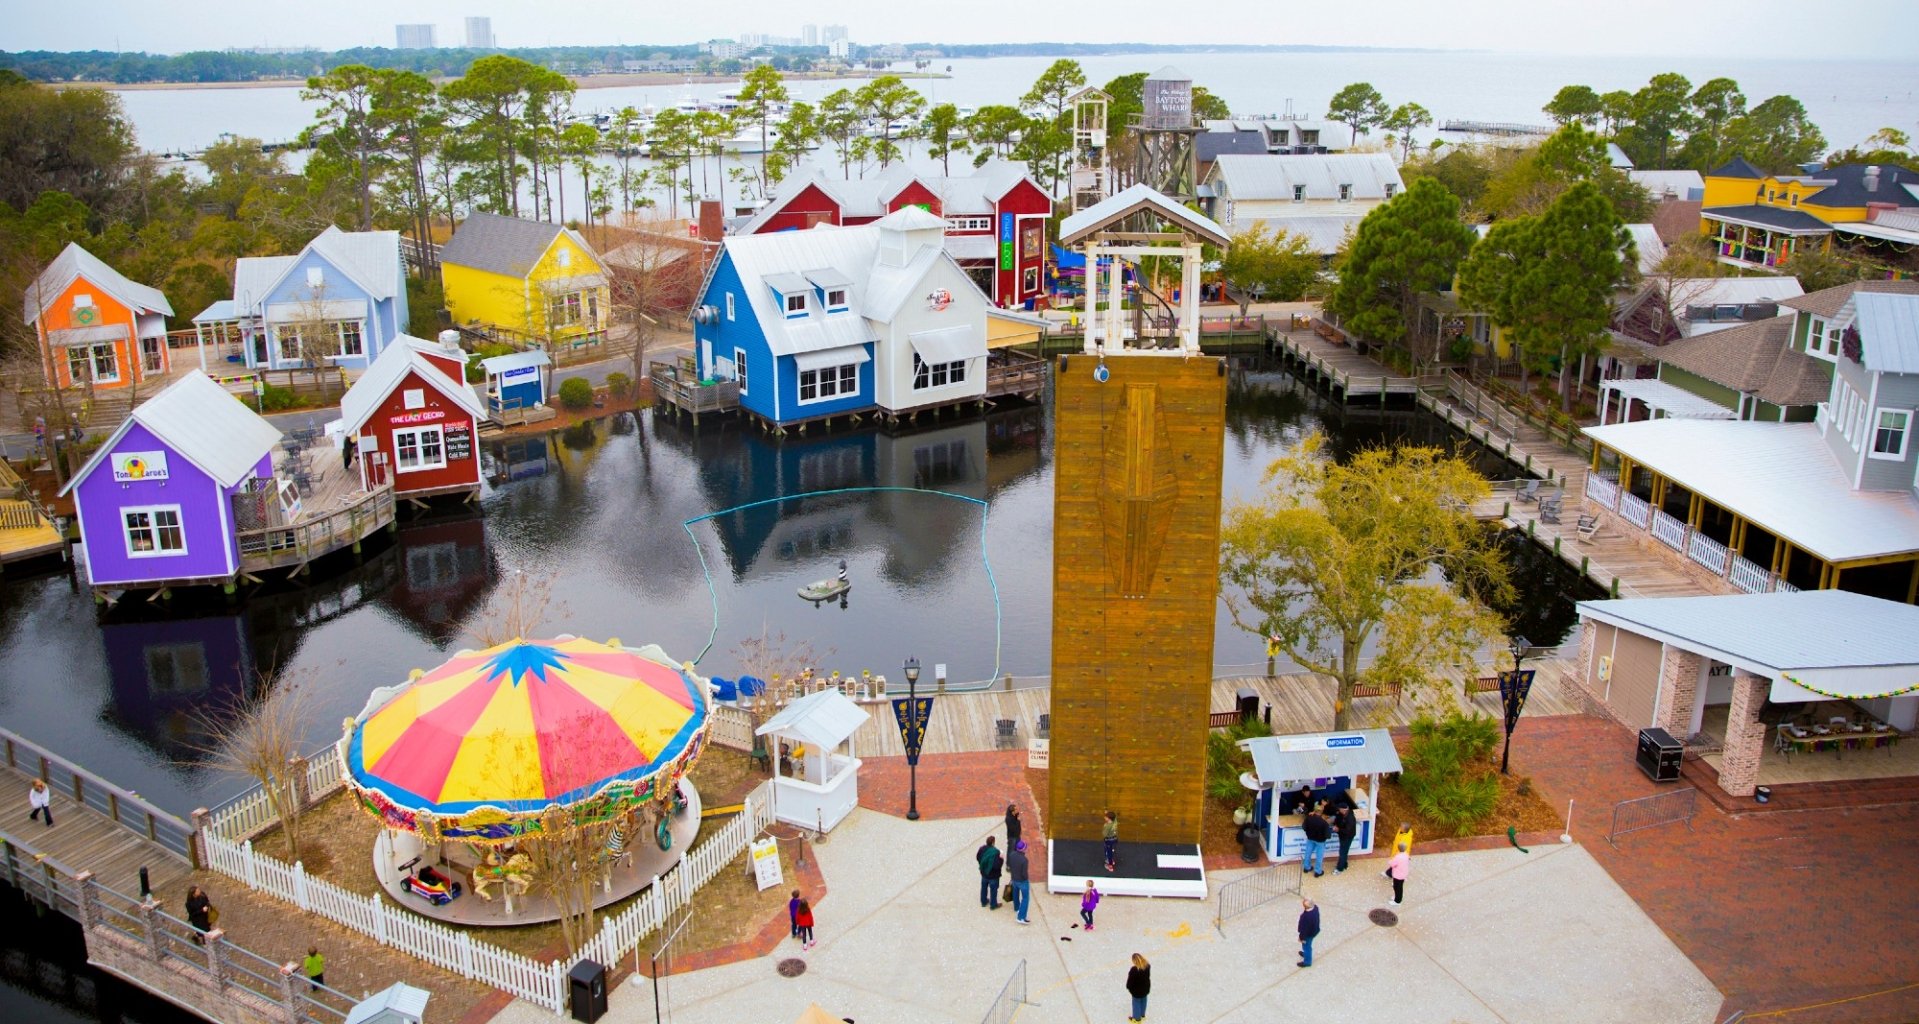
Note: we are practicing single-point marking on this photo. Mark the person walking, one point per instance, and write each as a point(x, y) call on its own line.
point(1345, 825)
point(40, 799)
point(1088, 902)
point(804, 918)
point(1397, 869)
point(1109, 834)
point(990, 865)
point(1139, 984)
point(1317, 832)
point(793, 912)
point(1012, 827)
point(315, 967)
point(1308, 930)
point(199, 913)
point(1022, 889)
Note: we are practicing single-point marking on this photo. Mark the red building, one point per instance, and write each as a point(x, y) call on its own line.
point(413, 419)
point(996, 218)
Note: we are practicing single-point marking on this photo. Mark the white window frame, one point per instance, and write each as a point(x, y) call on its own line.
point(1346, 193)
point(963, 225)
point(153, 512)
point(739, 368)
point(1905, 435)
point(417, 434)
point(834, 305)
point(359, 332)
point(929, 376)
point(1391, 190)
point(787, 305)
point(281, 332)
point(1299, 193)
point(729, 305)
point(829, 383)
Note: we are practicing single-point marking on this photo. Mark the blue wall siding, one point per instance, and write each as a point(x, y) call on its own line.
point(742, 332)
point(380, 324)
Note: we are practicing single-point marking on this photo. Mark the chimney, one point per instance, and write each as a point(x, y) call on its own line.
point(1872, 178)
point(1873, 210)
point(712, 221)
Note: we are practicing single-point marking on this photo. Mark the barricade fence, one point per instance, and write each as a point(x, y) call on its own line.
point(1255, 890)
point(1012, 996)
point(1651, 811)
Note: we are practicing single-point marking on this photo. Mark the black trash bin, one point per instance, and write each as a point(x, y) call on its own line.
point(587, 985)
point(1246, 702)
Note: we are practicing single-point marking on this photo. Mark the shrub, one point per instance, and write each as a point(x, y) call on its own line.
point(1225, 760)
point(476, 373)
point(618, 384)
point(1448, 770)
point(277, 399)
point(576, 393)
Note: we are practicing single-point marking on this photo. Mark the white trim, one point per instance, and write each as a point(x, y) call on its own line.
point(1872, 435)
point(838, 373)
point(729, 307)
point(421, 430)
point(1863, 438)
point(739, 367)
point(126, 534)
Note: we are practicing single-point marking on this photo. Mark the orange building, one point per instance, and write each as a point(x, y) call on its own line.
point(94, 325)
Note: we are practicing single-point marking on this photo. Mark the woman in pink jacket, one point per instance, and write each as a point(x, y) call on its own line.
point(1396, 869)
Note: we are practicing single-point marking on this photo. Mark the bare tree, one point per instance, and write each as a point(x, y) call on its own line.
point(642, 279)
point(519, 609)
point(259, 735)
point(777, 660)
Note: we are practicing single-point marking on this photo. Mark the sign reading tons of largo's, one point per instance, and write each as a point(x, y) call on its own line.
point(1135, 578)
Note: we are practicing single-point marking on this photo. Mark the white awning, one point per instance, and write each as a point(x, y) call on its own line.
point(87, 335)
point(823, 719)
point(948, 344)
point(1669, 399)
point(1322, 755)
point(326, 309)
point(851, 355)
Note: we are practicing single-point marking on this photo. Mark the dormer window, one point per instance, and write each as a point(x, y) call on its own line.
point(796, 305)
point(1390, 189)
point(1299, 193)
point(1345, 193)
point(316, 278)
point(1792, 199)
point(835, 300)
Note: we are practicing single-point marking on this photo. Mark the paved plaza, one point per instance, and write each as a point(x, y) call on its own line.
point(1484, 936)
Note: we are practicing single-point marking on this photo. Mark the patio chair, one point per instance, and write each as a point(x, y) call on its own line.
point(1549, 512)
point(1588, 526)
point(1530, 492)
point(1046, 726)
point(1782, 740)
point(1003, 734)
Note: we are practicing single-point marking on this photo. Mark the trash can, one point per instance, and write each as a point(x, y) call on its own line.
point(586, 983)
point(1246, 701)
point(1659, 755)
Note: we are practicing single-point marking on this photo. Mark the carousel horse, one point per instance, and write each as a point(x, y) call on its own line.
point(516, 874)
point(617, 851)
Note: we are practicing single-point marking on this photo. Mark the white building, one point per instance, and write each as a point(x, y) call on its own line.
point(809, 35)
point(723, 49)
point(479, 33)
point(839, 48)
point(833, 33)
point(1321, 196)
point(413, 37)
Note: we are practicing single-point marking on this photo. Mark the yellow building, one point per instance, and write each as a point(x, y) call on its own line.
point(525, 281)
point(1756, 219)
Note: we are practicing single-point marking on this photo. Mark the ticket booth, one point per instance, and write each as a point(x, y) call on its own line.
point(1336, 765)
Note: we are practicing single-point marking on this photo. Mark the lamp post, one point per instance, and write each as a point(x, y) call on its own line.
point(912, 763)
point(1514, 697)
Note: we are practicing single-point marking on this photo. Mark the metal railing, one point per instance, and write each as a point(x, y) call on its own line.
point(1012, 996)
point(1255, 890)
point(1652, 811)
point(123, 807)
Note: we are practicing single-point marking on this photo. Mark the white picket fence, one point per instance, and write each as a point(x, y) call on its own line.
point(1749, 576)
point(1707, 552)
point(730, 727)
point(1668, 530)
point(1603, 490)
point(1634, 509)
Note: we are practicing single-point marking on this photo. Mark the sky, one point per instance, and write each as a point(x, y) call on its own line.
point(1829, 29)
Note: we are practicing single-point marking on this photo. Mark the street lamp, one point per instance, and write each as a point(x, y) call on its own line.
point(912, 763)
point(1514, 697)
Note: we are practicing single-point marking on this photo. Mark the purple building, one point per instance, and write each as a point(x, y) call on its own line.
point(155, 503)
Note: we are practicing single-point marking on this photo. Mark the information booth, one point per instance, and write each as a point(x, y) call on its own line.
point(1338, 766)
point(815, 781)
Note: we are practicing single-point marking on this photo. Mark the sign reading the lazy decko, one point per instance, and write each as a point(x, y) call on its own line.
point(912, 714)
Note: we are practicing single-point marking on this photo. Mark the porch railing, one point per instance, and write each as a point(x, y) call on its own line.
point(1634, 509)
point(123, 807)
point(1668, 530)
point(1749, 576)
point(1604, 491)
point(1710, 553)
point(1707, 552)
point(290, 545)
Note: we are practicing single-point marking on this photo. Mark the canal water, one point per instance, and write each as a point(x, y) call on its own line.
point(598, 512)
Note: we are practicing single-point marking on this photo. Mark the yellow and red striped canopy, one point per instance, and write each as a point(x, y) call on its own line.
point(525, 725)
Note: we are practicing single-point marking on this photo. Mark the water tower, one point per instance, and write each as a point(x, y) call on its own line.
point(1166, 162)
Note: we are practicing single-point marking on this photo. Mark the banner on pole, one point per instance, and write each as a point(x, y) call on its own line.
point(1514, 687)
point(912, 714)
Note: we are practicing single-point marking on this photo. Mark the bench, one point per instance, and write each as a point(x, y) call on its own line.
point(1222, 719)
point(1482, 684)
point(1392, 690)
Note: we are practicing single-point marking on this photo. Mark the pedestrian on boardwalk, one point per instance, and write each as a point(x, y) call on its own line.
point(315, 969)
point(1397, 869)
point(1308, 930)
point(1139, 984)
point(40, 798)
point(1317, 832)
point(793, 912)
point(199, 912)
point(1346, 825)
point(1012, 827)
point(990, 865)
point(804, 918)
point(1022, 890)
point(1088, 902)
point(1109, 833)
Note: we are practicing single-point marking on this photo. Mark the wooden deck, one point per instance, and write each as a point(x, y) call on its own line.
point(83, 837)
point(335, 513)
point(1341, 368)
point(25, 531)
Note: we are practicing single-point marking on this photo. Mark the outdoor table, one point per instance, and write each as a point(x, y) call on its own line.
point(1839, 741)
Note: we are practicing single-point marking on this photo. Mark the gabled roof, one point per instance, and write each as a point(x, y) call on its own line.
point(1213, 145)
point(1140, 198)
point(1759, 215)
point(824, 719)
point(370, 258)
point(1756, 358)
point(1324, 234)
point(202, 423)
point(979, 193)
point(1889, 331)
point(507, 246)
point(911, 218)
point(254, 278)
point(1737, 167)
point(1651, 249)
point(1849, 185)
point(1684, 184)
point(1274, 176)
point(74, 262)
point(1827, 302)
point(389, 369)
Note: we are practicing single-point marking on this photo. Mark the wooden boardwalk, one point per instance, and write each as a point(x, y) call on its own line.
point(85, 839)
point(1340, 367)
point(24, 530)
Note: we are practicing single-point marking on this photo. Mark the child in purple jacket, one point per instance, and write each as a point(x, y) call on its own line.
point(1088, 902)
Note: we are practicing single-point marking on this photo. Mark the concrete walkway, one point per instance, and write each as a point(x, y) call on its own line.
point(1494, 936)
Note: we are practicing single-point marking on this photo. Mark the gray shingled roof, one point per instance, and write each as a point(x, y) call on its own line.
point(1848, 186)
point(500, 245)
point(1827, 302)
point(1761, 215)
point(1737, 167)
point(1756, 358)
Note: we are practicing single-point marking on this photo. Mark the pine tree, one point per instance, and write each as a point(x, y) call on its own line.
point(1404, 248)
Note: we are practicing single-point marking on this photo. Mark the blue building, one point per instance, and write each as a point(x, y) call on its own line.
point(338, 302)
point(838, 321)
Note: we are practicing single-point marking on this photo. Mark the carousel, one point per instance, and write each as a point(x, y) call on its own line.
point(472, 764)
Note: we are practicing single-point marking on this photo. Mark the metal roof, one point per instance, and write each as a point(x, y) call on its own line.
point(515, 361)
point(254, 277)
point(1881, 229)
point(398, 1001)
point(1781, 476)
point(787, 283)
point(1672, 400)
point(1282, 759)
point(824, 719)
point(1274, 176)
point(370, 258)
point(1113, 209)
point(1651, 248)
point(1772, 218)
point(390, 368)
point(973, 247)
point(910, 218)
point(205, 425)
point(1683, 184)
point(222, 309)
point(1325, 235)
point(73, 262)
point(1888, 330)
point(1834, 639)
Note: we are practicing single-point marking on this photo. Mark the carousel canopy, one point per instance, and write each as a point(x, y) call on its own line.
point(525, 725)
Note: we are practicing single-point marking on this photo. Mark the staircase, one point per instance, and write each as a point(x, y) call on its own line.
point(110, 407)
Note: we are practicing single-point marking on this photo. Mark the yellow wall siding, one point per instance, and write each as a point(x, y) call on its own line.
point(1731, 191)
point(479, 296)
point(580, 261)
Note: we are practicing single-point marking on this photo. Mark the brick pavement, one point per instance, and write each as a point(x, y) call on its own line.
point(977, 784)
point(1809, 911)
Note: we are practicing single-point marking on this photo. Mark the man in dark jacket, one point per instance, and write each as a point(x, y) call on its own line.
point(1016, 873)
point(1345, 824)
point(1308, 930)
point(1317, 832)
point(989, 873)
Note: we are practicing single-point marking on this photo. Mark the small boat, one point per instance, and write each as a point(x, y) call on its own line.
point(828, 589)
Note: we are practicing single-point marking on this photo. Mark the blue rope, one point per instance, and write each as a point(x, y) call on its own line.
point(713, 593)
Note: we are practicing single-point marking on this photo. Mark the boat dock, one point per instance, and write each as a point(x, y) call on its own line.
point(1318, 352)
point(25, 531)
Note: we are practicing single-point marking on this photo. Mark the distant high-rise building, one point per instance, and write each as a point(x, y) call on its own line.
point(413, 37)
point(832, 34)
point(810, 35)
point(479, 33)
point(839, 48)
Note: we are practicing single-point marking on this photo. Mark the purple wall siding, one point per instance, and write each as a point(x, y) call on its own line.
point(203, 519)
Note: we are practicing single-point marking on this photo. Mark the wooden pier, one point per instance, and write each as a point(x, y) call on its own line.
point(1337, 366)
point(25, 531)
